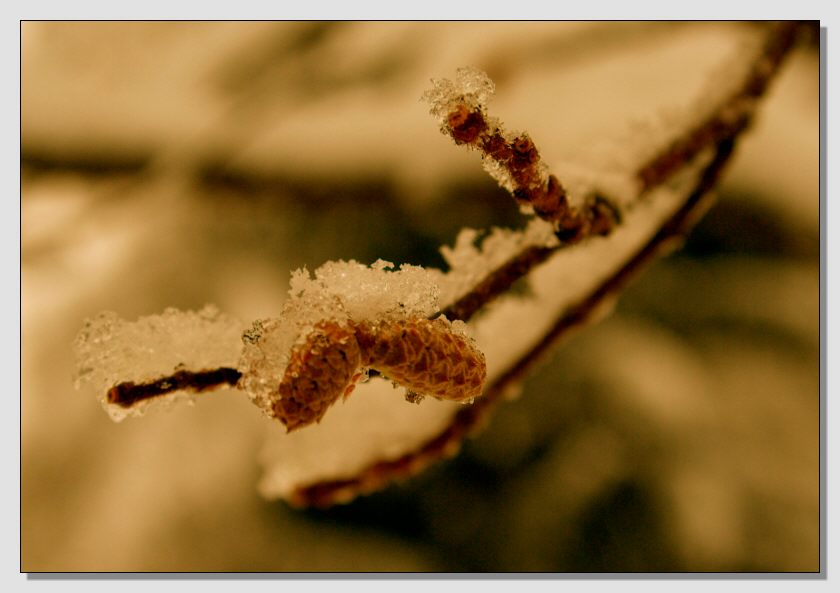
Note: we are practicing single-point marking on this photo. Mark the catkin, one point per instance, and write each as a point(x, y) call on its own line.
point(425, 356)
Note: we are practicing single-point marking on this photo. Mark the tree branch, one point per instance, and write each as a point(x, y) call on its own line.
point(718, 132)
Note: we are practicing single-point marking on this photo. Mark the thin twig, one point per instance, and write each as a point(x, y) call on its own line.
point(127, 394)
point(708, 134)
point(468, 419)
point(544, 193)
point(657, 171)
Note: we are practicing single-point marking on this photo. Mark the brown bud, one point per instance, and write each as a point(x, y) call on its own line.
point(524, 150)
point(465, 125)
point(425, 356)
point(318, 373)
point(496, 147)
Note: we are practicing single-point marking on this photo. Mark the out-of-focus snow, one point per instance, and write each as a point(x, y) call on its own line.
point(375, 423)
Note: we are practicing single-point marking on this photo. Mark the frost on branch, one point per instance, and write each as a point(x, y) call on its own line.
point(460, 106)
point(471, 87)
point(111, 351)
point(334, 327)
point(476, 255)
point(577, 254)
point(350, 318)
point(340, 292)
point(329, 464)
point(514, 161)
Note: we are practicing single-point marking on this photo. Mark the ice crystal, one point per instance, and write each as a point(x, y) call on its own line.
point(471, 87)
point(499, 173)
point(471, 260)
point(111, 350)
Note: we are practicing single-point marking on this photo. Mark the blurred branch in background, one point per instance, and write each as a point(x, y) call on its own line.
point(179, 163)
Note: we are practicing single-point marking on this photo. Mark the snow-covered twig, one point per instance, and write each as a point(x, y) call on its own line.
point(718, 132)
point(579, 252)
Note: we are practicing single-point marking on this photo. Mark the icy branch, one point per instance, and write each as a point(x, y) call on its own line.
point(513, 159)
point(677, 159)
point(578, 253)
point(724, 124)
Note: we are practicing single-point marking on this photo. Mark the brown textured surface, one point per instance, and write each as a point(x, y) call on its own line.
point(318, 373)
point(422, 355)
point(425, 356)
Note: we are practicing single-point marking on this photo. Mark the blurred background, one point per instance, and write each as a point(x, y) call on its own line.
point(178, 164)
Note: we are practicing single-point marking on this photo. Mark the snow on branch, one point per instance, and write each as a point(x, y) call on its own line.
point(419, 327)
point(513, 159)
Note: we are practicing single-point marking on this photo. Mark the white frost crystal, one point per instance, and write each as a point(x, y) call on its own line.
point(498, 172)
point(471, 87)
point(470, 263)
point(111, 350)
point(348, 289)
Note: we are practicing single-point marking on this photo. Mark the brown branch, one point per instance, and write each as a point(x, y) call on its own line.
point(532, 186)
point(529, 183)
point(468, 419)
point(677, 156)
point(730, 118)
point(127, 394)
point(496, 283)
point(711, 133)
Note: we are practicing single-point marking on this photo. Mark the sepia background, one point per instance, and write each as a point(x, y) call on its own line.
point(178, 164)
